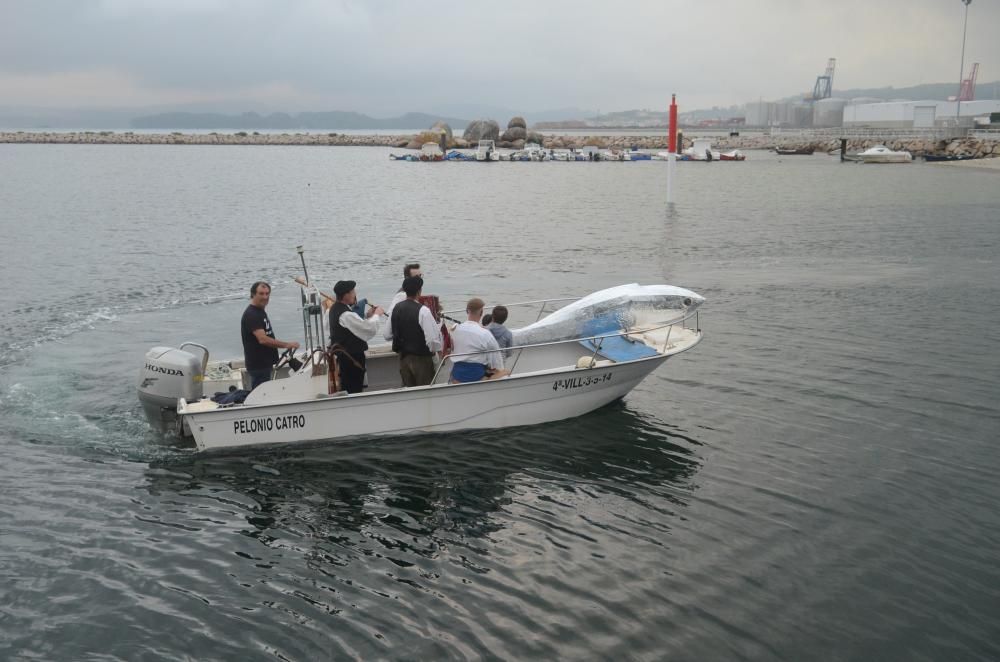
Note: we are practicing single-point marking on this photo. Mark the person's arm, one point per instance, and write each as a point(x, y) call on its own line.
point(387, 332)
point(268, 341)
point(431, 329)
point(364, 329)
point(495, 358)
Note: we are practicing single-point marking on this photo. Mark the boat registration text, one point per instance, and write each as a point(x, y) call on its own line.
point(268, 423)
point(580, 382)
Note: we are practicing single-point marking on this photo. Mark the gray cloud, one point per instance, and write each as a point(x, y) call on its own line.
point(390, 56)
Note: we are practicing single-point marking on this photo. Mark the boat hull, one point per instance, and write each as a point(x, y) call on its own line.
point(886, 159)
point(517, 400)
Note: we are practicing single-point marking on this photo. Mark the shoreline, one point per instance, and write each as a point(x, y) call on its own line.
point(975, 164)
point(979, 149)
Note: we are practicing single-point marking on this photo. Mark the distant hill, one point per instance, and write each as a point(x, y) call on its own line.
point(316, 121)
point(644, 119)
point(658, 118)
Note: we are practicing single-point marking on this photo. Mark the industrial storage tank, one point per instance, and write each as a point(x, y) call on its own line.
point(801, 115)
point(828, 112)
point(759, 113)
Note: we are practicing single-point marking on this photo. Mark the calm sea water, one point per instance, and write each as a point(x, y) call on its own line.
point(817, 480)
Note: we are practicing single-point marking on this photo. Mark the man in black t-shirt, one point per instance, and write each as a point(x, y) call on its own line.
point(260, 348)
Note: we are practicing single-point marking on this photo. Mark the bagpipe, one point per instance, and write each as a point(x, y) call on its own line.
point(434, 303)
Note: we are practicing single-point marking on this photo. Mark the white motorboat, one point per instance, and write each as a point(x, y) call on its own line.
point(431, 152)
point(487, 151)
point(882, 154)
point(536, 152)
point(584, 354)
point(701, 150)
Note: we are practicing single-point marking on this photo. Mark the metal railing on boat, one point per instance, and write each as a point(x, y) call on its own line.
point(597, 345)
point(543, 309)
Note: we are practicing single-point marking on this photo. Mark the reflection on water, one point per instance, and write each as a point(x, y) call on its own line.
point(428, 486)
point(421, 538)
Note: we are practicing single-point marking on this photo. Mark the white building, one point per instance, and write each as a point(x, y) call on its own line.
point(917, 114)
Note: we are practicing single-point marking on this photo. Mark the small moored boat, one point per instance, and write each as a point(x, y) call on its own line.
point(946, 158)
point(487, 151)
point(882, 154)
point(793, 151)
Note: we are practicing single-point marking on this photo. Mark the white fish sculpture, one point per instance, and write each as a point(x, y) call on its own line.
point(612, 310)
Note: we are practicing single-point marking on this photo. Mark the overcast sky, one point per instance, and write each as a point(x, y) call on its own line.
point(385, 57)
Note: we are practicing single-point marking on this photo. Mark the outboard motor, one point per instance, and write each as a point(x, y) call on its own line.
point(168, 374)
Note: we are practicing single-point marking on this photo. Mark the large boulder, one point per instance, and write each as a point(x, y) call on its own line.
point(442, 126)
point(517, 122)
point(481, 130)
point(534, 137)
point(514, 133)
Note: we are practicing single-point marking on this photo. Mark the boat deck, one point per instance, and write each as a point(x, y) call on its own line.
point(311, 381)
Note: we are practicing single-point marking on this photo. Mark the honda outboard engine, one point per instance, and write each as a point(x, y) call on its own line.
point(169, 374)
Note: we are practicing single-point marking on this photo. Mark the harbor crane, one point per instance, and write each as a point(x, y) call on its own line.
point(824, 84)
point(967, 90)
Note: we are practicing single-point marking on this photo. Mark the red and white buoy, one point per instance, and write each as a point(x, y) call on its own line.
point(672, 149)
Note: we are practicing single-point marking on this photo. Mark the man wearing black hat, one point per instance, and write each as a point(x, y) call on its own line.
point(415, 336)
point(351, 333)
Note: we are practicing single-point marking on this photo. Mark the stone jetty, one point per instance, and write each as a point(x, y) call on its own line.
point(214, 138)
point(918, 147)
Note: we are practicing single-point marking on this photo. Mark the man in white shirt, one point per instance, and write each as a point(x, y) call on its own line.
point(415, 336)
point(411, 269)
point(471, 336)
point(351, 334)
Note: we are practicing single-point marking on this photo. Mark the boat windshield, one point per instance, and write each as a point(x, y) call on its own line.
point(612, 310)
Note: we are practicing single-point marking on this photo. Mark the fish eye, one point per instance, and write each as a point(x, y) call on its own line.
point(687, 302)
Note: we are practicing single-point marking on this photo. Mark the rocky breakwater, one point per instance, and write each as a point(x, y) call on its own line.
point(608, 142)
point(972, 147)
point(176, 138)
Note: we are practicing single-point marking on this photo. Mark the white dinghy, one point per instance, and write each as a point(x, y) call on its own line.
point(584, 354)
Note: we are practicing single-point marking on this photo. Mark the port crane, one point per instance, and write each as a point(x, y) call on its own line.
point(967, 90)
point(824, 84)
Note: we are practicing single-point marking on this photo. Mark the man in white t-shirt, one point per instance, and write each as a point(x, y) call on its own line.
point(411, 269)
point(471, 336)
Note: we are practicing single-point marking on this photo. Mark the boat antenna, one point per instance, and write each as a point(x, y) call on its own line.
point(302, 257)
point(312, 311)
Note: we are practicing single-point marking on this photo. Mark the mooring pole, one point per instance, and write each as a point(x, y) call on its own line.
point(843, 149)
point(672, 138)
